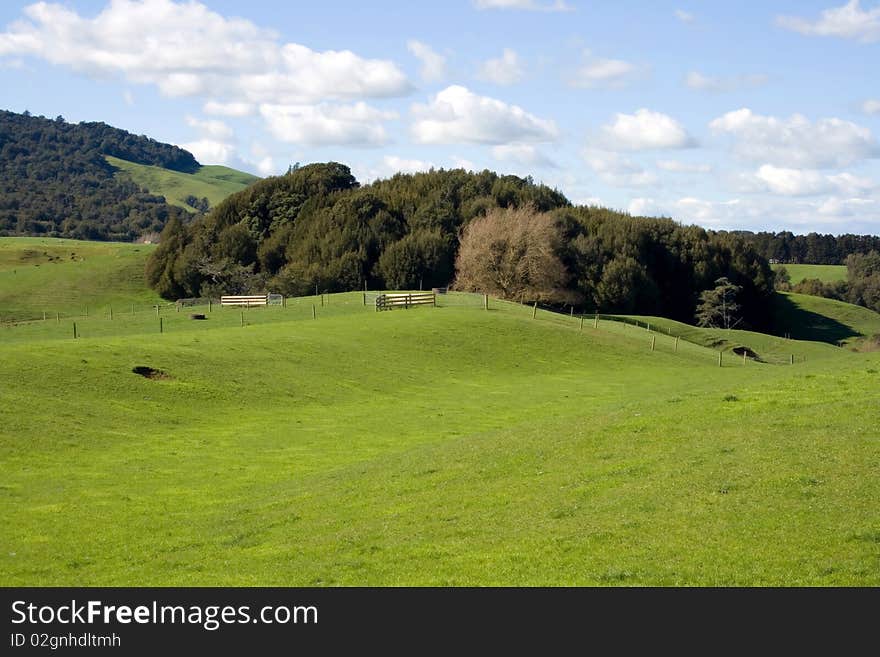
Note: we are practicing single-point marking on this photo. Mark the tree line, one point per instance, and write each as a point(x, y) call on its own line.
point(811, 249)
point(316, 226)
point(55, 180)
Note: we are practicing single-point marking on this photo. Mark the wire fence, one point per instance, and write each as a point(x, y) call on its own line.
point(133, 318)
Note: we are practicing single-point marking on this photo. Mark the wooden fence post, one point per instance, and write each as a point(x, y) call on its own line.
point(676, 345)
point(582, 322)
point(365, 298)
point(157, 310)
point(535, 310)
point(210, 305)
point(486, 301)
point(242, 318)
point(57, 318)
point(653, 341)
point(161, 327)
point(111, 312)
point(596, 322)
point(720, 353)
point(791, 360)
point(314, 312)
point(44, 315)
point(74, 330)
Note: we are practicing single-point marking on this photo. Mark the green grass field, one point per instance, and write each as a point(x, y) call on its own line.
point(825, 273)
point(444, 446)
point(805, 317)
point(70, 277)
point(211, 181)
point(431, 446)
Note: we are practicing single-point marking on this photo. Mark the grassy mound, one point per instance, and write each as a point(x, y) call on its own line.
point(805, 317)
point(428, 446)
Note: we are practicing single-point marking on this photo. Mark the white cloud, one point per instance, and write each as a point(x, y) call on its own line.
point(684, 16)
point(395, 164)
point(210, 151)
point(233, 109)
point(618, 171)
point(785, 181)
point(266, 166)
point(211, 129)
point(871, 107)
point(674, 166)
point(185, 49)
point(504, 70)
point(848, 21)
point(600, 72)
point(698, 81)
point(433, 63)
point(327, 124)
point(457, 115)
point(525, 154)
point(462, 163)
point(796, 142)
point(530, 5)
point(644, 130)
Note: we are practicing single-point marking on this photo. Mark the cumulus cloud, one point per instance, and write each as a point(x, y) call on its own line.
point(618, 171)
point(504, 70)
point(462, 163)
point(848, 21)
point(210, 151)
point(185, 49)
point(675, 166)
point(457, 115)
point(699, 82)
point(525, 154)
point(871, 107)
point(529, 5)
point(601, 72)
point(823, 215)
point(327, 124)
point(796, 142)
point(433, 63)
point(644, 130)
point(785, 181)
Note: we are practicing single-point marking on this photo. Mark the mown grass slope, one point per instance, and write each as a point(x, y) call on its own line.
point(825, 273)
point(443, 446)
point(70, 277)
point(767, 348)
point(211, 181)
point(805, 317)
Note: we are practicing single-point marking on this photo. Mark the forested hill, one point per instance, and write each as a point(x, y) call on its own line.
point(55, 180)
point(317, 226)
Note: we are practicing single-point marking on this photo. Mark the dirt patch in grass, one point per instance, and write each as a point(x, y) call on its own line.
point(150, 372)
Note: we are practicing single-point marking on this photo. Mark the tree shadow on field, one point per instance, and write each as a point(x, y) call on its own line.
point(802, 324)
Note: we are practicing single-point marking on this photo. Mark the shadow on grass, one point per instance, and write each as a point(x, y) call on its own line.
point(802, 324)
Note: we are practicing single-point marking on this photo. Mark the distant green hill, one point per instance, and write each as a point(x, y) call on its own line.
point(212, 182)
point(825, 273)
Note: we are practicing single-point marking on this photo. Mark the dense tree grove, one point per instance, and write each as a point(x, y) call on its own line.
point(317, 226)
point(55, 181)
point(811, 249)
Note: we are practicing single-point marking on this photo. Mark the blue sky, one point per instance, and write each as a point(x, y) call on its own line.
point(729, 115)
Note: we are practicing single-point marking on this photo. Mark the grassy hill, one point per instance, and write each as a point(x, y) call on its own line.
point(212, 182)
point(68, 276)
point(445, 446)
point(825, 273)
point(806, 317)
point(767, 348)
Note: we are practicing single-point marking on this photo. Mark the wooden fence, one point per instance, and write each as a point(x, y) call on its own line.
point(405, 300)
